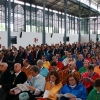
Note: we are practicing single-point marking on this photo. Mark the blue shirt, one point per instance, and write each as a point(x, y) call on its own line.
point(79, 91)
point(44, 72)
point(79, 64)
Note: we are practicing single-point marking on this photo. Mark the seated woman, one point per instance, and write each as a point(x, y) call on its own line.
point(95, 93)
point(53, 85)
point(74, 87)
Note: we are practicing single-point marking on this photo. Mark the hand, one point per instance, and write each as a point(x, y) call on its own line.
point(29, 77)
point(32, 88)
point(11, 92)
point(72, 99)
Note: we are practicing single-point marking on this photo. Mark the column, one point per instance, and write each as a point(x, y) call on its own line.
point(79, 23)
point(43, 34)
point(65, 4)
point(97, 28)
point(24, 16)
point(30, 17)
point(9, 20)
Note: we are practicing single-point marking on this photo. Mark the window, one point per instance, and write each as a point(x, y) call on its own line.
point(18, 18)
point(27, 21)
point(40, 21)
point(2, 18)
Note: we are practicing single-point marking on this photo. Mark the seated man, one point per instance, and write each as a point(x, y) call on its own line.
point(26, 68)
point(4, 80)
point(18, 77)
point(71, 69)
point(89, 78)
point(36, 83)
point(43, 71)
point(85, 67)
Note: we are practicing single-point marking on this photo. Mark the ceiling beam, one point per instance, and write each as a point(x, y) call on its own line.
point(52, 4)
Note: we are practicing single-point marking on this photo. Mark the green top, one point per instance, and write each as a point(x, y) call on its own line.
point(82, 70)
point(93, 95)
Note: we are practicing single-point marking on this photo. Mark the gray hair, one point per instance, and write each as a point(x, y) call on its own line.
point(4, 64)
point(40, 62)
point(35, 68)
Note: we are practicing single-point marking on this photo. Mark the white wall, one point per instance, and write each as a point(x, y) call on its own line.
point(93, 37)
point(3, 38)
point(84, 37)
point(28, 38)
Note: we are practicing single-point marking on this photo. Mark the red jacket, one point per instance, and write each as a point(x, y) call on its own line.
point(88, 83)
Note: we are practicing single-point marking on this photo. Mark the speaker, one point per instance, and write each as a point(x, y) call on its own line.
point(66, 39)
point(51, 35)
point(14, 39)
point(20, 34)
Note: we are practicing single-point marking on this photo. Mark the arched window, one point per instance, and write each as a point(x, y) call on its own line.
point(55, 23)
point(27, 21)
point(2, 18)
point(33, 22)
point(18, 18)
point(40, 21)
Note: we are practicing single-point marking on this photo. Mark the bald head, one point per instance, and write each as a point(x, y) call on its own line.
point(17, 67)
point(3, 67)
point(72, 65)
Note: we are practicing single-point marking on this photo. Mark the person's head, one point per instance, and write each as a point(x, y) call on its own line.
point(97, 84)
point(88, 55)
point(80, 57)
point(43, 58)
point(58, 55)
point(90, 69)
point(54, 77)
point(26, 62)
point(9, 52)
point(40, 63)
point(55, 58)
point(35, 70)
point(71, 65)
point(86, 63)
point(3, 67)
point(72, 79)
point(17, 67)
point(69, 54)
point(54, 65)
point(94, 60)
point(15, 53)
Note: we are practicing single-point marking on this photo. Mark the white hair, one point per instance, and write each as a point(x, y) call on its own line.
point(40, 62)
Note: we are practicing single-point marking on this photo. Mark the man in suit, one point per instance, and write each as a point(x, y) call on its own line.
point(18, 77)
point(16, 57)
point(4, 80)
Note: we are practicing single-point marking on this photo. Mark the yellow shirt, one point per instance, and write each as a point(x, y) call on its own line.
point(46, 64)
point(97, 69)
point(54, 89)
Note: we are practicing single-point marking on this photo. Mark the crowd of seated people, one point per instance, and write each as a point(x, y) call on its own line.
point(56, 69)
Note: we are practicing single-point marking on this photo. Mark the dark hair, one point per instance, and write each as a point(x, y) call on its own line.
point(44, 56)
point(74, 76)
point(88, 54)
point(94, 58)
point(53, 63)
point(90, 67)
point(27, 61)
point(35, 68)
point(55, 73)
point(97, 83)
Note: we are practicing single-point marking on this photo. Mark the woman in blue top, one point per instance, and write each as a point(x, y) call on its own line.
point(74, 87)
